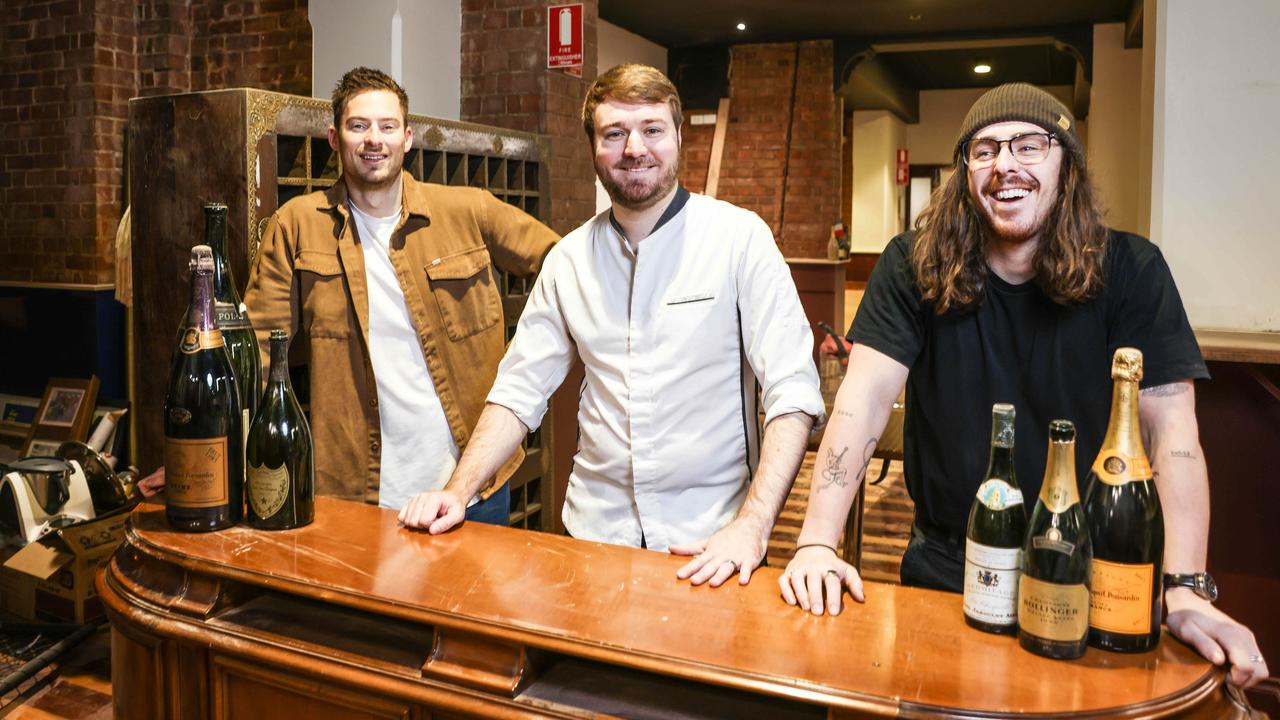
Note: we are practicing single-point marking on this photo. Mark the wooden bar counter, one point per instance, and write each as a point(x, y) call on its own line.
point(357, 617)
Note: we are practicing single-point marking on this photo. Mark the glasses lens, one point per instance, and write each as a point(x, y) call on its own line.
point(982, 152)
point(1030, 148)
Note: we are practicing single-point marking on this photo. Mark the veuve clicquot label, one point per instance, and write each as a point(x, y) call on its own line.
point(1118, 469)
point(991, 583)
point(268, 489)
point(195, 472)
point(1052, 611)
point(193, 341)
point(1120, 597)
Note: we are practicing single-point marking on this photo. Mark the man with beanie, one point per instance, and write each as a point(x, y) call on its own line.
point(1011, 289)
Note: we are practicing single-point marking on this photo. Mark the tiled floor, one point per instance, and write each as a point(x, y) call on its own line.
point(78, 686)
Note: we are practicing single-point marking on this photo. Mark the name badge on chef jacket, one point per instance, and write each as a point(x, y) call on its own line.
point(691, 298)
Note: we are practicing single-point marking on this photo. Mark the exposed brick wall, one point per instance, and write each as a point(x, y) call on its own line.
point(757, 151)
point(695, 151)
point(505, 83)
point(67, 71)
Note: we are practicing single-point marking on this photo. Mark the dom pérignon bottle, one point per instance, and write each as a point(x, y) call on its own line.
point(1125, 523)
point(203, 433)
point(993, 540)
point(1053, 593)
point(233, 319)
point(281, 473)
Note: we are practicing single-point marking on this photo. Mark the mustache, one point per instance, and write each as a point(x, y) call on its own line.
point(633, 164)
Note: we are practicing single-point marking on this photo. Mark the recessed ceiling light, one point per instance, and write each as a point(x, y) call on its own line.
point(742, 26)
point(982, 68)
point(914, 17)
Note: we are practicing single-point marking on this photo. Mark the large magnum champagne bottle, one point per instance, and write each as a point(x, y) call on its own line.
point(281, 474)
point(993, 541)
point(1123, 511)
point(233, 319)
point(203, 435)
point(1053, 593)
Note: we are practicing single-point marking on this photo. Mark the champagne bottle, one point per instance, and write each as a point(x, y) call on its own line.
point(203, 436)
point(993, 540)
point(281, 474)
point(1053, 593)
point(233, 319)
point(1126, 525)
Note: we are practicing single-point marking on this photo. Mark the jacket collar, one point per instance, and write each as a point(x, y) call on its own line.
point(413, 203)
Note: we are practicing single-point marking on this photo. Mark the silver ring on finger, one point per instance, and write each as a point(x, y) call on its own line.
point(1255, 659)
point(734, 563)
point(833, 571)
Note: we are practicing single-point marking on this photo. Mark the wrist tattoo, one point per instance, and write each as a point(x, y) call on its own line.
point(833, 473)
point(1182, 454)
point(1167, 390)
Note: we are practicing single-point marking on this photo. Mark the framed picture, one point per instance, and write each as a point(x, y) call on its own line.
point(44, 448)
point(64, 412)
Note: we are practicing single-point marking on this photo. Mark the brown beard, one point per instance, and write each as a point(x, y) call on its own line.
point(639, 197)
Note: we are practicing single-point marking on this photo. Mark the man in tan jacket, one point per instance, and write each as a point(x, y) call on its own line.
point(389, 284)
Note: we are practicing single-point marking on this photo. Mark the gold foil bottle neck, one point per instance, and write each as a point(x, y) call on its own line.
point(1126, 364)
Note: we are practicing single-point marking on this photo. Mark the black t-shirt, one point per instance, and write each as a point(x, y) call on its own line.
point(1018, 346)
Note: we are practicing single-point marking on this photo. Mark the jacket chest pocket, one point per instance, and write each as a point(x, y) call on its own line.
point(323, 295)
point(465, 290)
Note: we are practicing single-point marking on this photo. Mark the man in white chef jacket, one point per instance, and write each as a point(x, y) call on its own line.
point(688, 324)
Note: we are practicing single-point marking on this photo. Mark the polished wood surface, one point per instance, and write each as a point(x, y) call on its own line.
point(1244, 347)
point(481, 609)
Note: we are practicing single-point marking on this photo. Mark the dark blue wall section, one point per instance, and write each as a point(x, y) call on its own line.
point(52, 332)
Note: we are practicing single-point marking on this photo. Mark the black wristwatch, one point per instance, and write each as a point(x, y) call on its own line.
point(1201, 583)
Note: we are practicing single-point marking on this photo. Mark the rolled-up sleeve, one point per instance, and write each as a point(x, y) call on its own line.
point(776, 334)
point(540, 354)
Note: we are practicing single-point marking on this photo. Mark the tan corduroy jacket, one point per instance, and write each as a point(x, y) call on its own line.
point(310, 279)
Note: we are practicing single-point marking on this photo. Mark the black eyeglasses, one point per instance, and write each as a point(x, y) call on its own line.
point(1027, 149)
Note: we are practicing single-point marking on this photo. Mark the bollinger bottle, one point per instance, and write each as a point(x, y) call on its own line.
point(233, 319)
point(1125, 522)
point(281, 482)
point(203, 432)
point(1053, 592)
point(993, 540)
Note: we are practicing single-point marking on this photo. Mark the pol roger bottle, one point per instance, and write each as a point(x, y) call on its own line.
point(281, 473)
point(233, 319)
point(203, 432)
point(993, 540)
point(1053, 593)
point(1125, 523)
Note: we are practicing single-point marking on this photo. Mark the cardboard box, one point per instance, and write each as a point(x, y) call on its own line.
point(52, 579)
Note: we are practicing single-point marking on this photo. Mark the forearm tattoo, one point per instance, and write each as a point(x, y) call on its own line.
point(1176, 388)
point(833, 473)
point(1182, 454)
point(866, 457)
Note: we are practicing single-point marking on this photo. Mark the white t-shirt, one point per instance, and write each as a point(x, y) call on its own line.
point(418, 450)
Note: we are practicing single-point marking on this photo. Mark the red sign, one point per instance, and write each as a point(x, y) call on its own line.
point(904, 170)
point(564, 36)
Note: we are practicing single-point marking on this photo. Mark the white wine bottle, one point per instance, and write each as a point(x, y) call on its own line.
point(1053, 593)
point(1125, 522)
point(993, 539)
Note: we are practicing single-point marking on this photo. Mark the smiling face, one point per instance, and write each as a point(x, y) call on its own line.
point(372, 140)
point(637, 152)
point(1015, 199)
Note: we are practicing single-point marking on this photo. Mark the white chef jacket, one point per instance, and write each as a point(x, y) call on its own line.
point(668, 417)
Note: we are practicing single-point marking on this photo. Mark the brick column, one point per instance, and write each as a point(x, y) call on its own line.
point(505, 82)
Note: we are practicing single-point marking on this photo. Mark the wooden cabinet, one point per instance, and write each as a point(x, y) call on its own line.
point(355, 616)
point(255, 150)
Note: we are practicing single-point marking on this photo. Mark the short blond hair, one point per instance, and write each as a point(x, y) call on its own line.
point(632, 83)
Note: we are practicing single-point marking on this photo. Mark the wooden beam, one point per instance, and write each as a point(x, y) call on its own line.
point(717, 148)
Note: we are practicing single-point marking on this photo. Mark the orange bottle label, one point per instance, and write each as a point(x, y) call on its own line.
point(1120, 597)
point(1114, 468)
point(195, 472)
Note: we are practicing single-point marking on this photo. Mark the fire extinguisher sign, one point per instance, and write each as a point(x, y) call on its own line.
point(564, 36)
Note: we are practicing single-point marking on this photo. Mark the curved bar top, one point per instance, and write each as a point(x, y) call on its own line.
point(481, 589)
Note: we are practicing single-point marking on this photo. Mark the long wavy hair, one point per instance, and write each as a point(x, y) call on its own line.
point(949, 259)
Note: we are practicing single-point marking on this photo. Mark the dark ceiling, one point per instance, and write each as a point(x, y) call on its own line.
point(688, 23)
point(885, 51)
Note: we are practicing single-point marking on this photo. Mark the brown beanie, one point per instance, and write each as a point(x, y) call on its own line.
point(1025, 103)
